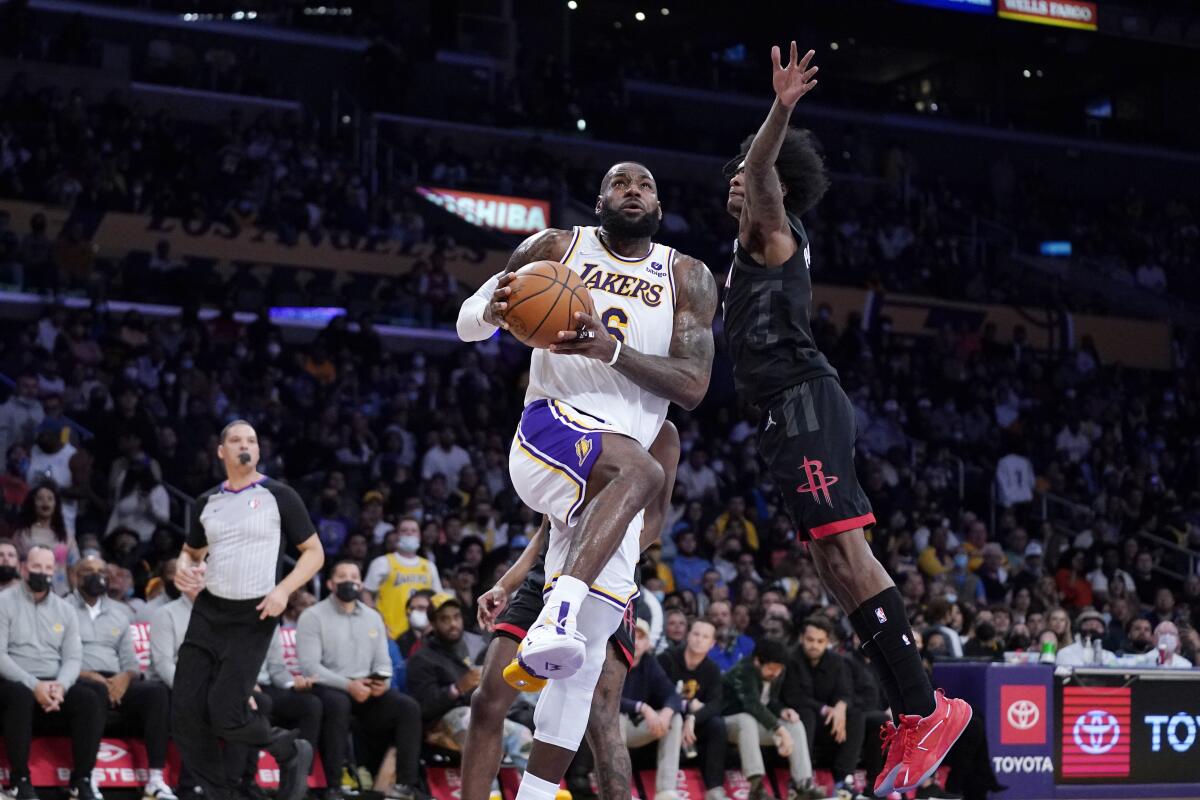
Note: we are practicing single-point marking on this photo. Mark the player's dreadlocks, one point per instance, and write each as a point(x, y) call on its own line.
point(801, 169)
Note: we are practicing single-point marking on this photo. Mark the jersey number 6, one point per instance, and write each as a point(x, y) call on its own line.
point(615, 320)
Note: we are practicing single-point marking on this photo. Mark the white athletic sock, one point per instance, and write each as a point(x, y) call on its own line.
point(156, 775)
point(567, 590)
point(534, 788)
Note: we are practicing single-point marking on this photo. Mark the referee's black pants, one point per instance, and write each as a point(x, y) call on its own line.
point(81, 715)
point(289, 709)
point(390, 719)
point(219, 662)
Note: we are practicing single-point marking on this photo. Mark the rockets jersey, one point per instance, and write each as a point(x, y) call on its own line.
point(767, 322)
point(635, 301)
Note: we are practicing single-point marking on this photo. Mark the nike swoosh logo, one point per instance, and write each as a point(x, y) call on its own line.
point(921, 744)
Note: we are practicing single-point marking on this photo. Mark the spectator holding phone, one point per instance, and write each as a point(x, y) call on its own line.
point(343, 642)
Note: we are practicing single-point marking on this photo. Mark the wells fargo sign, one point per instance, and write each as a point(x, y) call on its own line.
point(1064, 13)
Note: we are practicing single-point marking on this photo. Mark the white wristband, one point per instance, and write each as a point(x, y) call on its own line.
point(616, 353)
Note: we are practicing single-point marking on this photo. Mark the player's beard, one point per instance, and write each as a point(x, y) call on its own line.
point(616, 224)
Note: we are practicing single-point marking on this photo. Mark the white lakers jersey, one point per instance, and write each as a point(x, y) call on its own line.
point(635, 301)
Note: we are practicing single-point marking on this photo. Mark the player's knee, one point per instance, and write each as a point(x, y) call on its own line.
point(646, 476)
point(838, 555)
point(488, 707)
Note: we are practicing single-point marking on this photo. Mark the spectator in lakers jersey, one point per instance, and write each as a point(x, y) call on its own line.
point(392, 577)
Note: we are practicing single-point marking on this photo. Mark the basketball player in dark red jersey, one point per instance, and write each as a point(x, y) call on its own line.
point(807, 433)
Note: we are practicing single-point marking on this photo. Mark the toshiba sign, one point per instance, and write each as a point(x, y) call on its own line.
point(497, 211)
point(1065, 13)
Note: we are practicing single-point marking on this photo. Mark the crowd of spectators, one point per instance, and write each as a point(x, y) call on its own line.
point(111, 425)
point(407, 455)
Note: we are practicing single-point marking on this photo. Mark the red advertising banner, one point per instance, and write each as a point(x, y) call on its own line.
point(1096, 732)
point(1064, 13)
point(689, 784)
point(122, 764)
point(287, 637)
point(497, 211)
point(141, 643)
point(1023, 714)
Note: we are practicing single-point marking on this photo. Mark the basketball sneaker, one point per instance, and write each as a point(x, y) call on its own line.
point(929, 739)
point(553, 649)
point(893, 746)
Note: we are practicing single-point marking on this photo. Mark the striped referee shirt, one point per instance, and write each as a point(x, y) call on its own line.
point(243, 530)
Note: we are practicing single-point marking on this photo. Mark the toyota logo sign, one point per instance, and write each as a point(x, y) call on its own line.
point(1097, 732)
point(1023, 714)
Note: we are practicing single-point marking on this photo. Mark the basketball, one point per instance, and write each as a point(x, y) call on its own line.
point(545, 297)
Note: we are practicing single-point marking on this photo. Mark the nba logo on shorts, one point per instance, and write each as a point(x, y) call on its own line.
point(879, 615)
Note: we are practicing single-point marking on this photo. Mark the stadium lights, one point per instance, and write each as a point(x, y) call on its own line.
point(581, 124)
point(571, 4)
point(833, 45)
point(640, 16)
point(664, 11)
point(1026, 73)
point(345, 119)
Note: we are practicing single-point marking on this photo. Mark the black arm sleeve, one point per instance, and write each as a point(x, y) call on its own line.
point(294, 521)
point(196, 537)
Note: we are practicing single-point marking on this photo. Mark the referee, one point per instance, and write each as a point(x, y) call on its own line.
point(239, 527)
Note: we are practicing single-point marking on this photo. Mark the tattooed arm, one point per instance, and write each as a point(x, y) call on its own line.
point(480, 313)
point(681, 376)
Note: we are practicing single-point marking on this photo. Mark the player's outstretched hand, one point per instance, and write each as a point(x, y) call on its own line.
point(494, 313)
point(796, 79)
point(590, 339)
point(489, 606)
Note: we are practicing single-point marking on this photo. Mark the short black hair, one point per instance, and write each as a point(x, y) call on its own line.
point(236, 422)
point(801, 169)
point(821, 623)
point(426, 593)
point(344, 560)
point(768, 651)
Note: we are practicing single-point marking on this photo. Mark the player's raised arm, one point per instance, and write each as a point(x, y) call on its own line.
point(681, 376)
point(764, 217)
point(480, 313)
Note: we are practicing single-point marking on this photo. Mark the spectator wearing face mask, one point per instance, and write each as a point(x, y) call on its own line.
point(109, 668)
point(419, 624)
point(1164, 650)
point(1087, 650)
point(343, 644)
point(393, 577)
point(962, 582)
point(40, 657)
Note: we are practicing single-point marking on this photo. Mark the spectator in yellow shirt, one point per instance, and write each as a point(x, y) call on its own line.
point(735, 511)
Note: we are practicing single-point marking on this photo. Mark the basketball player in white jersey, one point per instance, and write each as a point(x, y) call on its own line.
point(595, 403)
